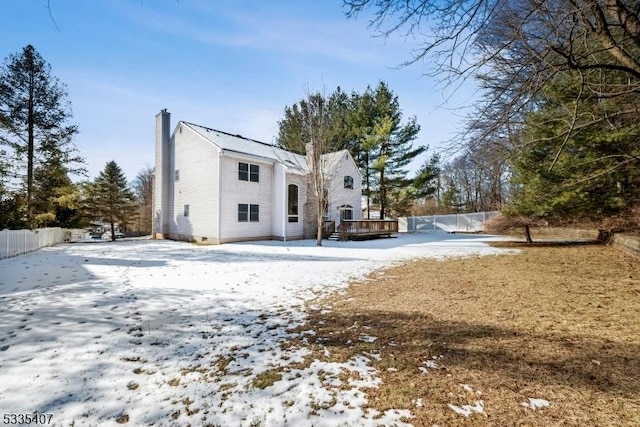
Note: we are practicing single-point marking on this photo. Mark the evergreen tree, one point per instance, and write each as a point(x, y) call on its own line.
point(370, 126)
point(110, 197)
point(394, 147)
point(34, 125)
point(336, 109)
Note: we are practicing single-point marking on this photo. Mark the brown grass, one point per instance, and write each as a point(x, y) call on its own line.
point(559, 322)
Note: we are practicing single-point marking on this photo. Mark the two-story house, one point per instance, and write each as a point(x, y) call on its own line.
point(214, 187)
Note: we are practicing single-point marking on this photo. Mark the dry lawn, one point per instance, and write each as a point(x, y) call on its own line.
point(558, 322)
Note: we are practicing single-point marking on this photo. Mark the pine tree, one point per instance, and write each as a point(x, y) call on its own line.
point(112, 199)
point(370, 126)
point(34, 122)
point(395, 146)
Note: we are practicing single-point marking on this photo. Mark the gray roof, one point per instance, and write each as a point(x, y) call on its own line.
point(239, 144)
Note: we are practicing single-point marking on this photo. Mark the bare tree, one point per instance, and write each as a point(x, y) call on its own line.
point(317, 125)
point(143, 188)
point(516, 47)
point(558, 77)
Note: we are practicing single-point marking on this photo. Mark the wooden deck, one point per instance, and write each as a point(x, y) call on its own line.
point(366, 229)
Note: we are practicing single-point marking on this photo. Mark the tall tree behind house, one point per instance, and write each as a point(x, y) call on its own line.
point(35, 130)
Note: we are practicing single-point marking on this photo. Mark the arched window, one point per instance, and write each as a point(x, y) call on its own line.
point(292, 202)
point(348, 182)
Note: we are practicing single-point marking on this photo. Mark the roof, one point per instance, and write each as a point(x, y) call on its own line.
point(240, 144)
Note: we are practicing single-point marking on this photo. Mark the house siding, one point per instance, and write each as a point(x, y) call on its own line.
point(197, 161)
point(279, 202)
point(295, 230)
point(236, 191)
point(338, 195)
point(208, 183)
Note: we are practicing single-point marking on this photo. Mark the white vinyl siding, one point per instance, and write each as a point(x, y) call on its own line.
point(342, 195)
point(236, 192)
point(196, 192)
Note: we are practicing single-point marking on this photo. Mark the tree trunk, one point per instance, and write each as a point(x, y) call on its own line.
point(383, 194)
point(113, 231)
point(320, 220)
point(366, 177)
point(30, 151)
point(527, 234)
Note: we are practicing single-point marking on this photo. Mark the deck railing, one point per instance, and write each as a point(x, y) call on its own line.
point(351, 229)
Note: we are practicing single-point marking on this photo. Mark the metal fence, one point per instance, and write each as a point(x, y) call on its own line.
point(16, 242)
point(469, 222)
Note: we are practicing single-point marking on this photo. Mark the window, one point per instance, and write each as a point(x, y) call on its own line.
point(348, 182)
point(243, 212)
point(346, 212)
point(248, 212)
point(248, 172)
point(254, 173)
point(186, 210)
point(176, 175)
point(292, 204)
point(243, 171)
point(254, 213)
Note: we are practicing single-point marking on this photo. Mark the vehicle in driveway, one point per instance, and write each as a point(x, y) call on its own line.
point(119, 235)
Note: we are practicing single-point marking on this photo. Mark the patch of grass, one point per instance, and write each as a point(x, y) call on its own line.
point(266, 379)
point(558, 322)
point(122, 419)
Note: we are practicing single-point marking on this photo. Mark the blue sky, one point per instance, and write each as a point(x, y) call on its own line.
point(229, 65)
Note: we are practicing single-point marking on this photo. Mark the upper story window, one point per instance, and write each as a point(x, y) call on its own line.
point(176, 175)
point(292, 203)
point(248, 172)
point(348, 181)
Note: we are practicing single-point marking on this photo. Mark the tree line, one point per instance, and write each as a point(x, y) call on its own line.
point(560, 82)
point(38, 158)
point(370, 125)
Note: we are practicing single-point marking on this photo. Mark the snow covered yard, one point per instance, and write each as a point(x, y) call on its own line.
point(168, 333)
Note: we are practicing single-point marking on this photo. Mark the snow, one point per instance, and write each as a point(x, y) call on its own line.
point(536, 403)
point(171, 333)
point(468, 410)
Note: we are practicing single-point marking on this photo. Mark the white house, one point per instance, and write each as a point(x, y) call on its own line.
point(214, 187)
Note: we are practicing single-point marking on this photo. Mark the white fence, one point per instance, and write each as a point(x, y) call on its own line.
point(469, 222)
point(16, 242)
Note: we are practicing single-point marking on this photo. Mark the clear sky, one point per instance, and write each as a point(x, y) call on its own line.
point(229, 65)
